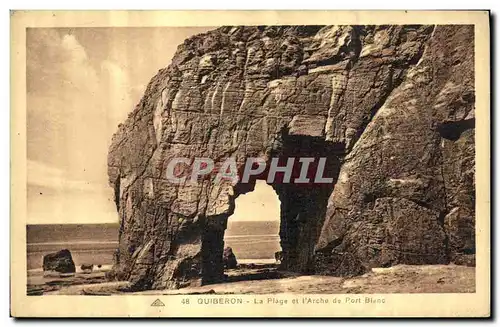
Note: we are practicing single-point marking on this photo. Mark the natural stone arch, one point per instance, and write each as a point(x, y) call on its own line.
point(376, 96)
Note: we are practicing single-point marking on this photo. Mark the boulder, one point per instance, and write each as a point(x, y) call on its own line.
point(229, 259)
point(60, 261)
point(87, 268)
point(278, 256)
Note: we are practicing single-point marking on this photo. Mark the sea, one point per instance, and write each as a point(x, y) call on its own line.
point(251, 241)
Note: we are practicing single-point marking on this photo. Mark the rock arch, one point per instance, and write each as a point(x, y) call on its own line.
point(370, 98)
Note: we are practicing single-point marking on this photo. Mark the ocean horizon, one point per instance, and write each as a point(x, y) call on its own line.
point(251, 241)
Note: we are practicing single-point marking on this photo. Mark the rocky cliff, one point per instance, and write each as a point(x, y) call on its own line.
point(390, 107)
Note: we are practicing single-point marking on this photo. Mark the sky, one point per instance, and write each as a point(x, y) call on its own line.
point(259, 205)
point(81, 83)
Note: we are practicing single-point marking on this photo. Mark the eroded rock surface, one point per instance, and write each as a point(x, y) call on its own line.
point(390, 107)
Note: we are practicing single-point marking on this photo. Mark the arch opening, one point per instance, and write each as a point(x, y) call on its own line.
point(302, 210)
point(253, 229)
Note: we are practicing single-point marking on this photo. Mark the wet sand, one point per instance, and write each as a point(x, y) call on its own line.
point(40, 282)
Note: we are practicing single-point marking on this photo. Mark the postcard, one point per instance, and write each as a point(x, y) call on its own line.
point(250, 164)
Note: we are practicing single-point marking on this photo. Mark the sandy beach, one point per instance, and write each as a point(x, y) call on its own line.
point(266, 279)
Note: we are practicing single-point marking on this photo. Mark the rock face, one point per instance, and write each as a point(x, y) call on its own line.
point(391, 108)
point(60, 261)
point(229, 258)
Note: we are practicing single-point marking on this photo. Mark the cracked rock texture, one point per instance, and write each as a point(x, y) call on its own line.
point(390, 107)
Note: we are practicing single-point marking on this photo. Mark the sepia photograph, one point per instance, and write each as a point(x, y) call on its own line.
point(252, 164)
